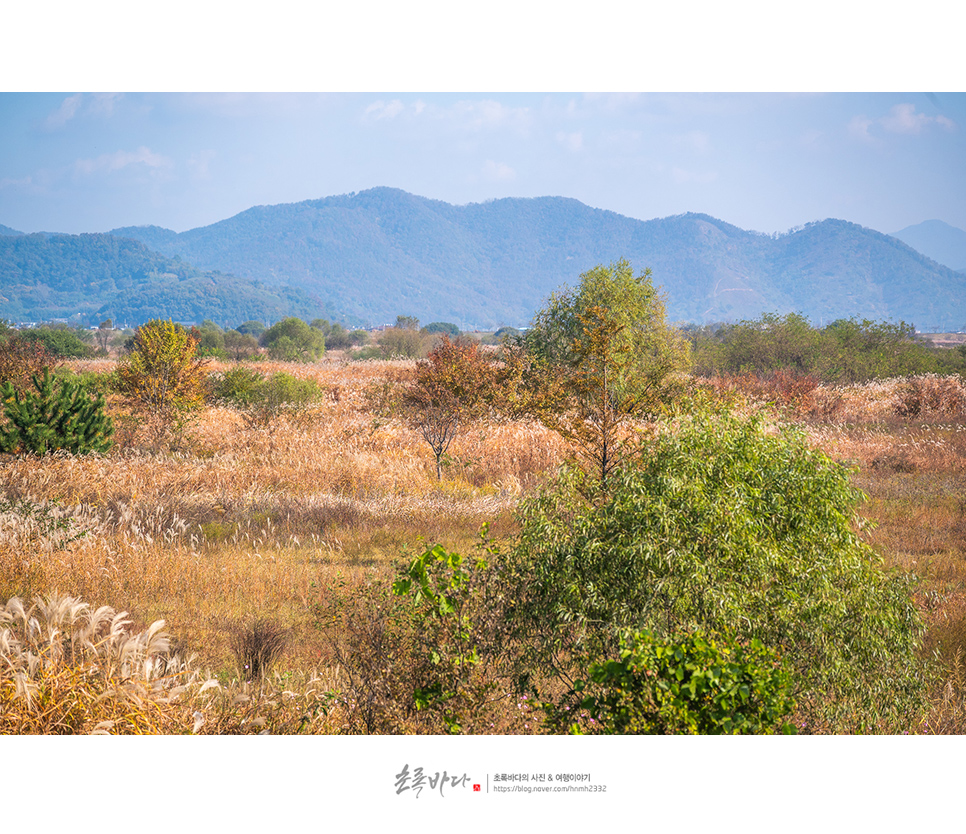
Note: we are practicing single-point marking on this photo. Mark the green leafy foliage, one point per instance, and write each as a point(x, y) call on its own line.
point(597, 358)
point(58, 414)
point(727, 526)
point(211, 340)
point(692, 684)
point(240, 346)
point(336, 336)
point(447, 600)
point(403, 343)
point(446, 327)
point(61, 341)
point(293, 340)
point(845, 351)
point(261, 400)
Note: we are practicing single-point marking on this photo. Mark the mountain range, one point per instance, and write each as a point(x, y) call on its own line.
point(367, 257)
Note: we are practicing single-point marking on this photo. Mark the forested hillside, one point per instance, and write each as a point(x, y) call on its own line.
point(382, 252)
point(366, 258)
point(87, 278)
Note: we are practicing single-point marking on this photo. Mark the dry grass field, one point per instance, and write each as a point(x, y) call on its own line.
point(240, 525)
point(260, 546)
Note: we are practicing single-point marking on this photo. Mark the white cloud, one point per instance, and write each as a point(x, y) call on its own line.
point(571, 141)
point(24, 182)
point(498, 171)
point(384, 110)
point(97, 104)
point(902, 119)
point(109, 162)
point(63, 114)
point(858, 128)
point(102, 104)
point(905, 119)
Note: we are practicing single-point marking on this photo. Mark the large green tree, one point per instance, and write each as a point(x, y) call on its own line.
point(597, 358)
point(293, 340)
point(730, 526)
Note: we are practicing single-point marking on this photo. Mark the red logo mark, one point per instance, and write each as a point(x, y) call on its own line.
point(476, 787)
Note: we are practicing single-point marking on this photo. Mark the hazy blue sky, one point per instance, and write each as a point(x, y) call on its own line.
point(81, 162)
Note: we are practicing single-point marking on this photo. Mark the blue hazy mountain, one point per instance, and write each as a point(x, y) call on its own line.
point(943, 243)
point(379, 253)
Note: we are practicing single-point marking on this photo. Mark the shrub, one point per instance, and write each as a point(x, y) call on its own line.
point(240, 346)
point(63, 342)
point(446, 602)
point(58, 414)
point(693, 684)
point(162, 375)
point(21, 360)
point(931, 394)
point(211, 340)
point(403, 343)
point(262, 400)
point(237, 386)
point(446, 327)
point(723, 525)
point(94, 382)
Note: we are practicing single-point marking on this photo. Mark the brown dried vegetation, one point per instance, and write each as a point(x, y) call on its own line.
point(241, 536)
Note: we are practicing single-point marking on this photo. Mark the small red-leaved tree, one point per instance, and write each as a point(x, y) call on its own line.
point(450, 389)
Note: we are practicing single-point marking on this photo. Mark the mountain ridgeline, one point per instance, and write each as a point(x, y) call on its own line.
point(88, 278)
point(370, 256)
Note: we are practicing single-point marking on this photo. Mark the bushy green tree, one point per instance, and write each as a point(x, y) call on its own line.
point(845, 351)
point(211, 340)
point(240, 346)
point(403, 343)
point(251, 328)
point(446, 327)
point(728, 526)
point(596, 358)
point(293, 340)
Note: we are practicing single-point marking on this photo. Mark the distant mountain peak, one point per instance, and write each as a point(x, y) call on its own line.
point(938, 240)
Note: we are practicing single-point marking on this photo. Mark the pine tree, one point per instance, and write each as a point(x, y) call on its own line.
point(60, 414)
